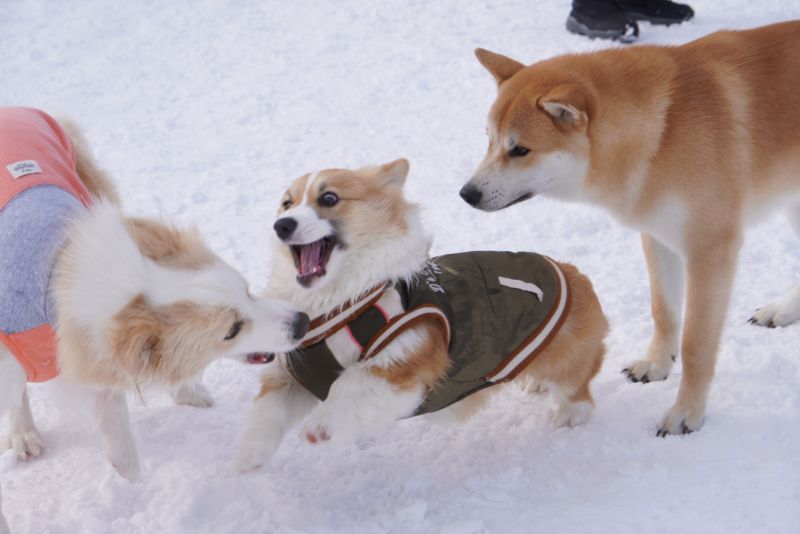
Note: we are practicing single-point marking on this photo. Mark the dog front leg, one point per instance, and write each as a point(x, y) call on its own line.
point(23, 438)
point(362, 403)
point(710, 271)
point(281, 403)
point(115, 428)
point(369, 396)
point(666, 270)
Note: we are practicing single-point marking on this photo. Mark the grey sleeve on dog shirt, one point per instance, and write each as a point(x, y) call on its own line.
point(33, 226)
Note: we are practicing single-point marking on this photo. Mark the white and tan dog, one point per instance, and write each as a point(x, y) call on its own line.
point(135, 302)
point(341, 236)
point(687, 144)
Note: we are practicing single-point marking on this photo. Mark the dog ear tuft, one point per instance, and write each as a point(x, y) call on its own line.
point(136, 336)
point(500, 66)
point(394, 173)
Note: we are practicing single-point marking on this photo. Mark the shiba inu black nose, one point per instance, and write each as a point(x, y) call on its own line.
point(284, 227)
point(471, 195)
point(300, 325)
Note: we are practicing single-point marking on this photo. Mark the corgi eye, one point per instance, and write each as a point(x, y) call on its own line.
point(328, 199)
point(234, 331)
point(286, 204)
point(518, 152)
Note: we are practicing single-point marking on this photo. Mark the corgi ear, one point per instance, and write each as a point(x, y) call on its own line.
point(394, 173)
point(136, 336)
point(501, 67)
point(566, 104)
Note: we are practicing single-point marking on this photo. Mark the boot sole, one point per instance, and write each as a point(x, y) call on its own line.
point(656, 20)
point(575, 26)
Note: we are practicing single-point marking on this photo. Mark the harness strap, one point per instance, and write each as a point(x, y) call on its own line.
point(402, 322)
point(326, 325)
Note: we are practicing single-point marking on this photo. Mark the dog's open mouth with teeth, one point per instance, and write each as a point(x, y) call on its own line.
point(311, 259)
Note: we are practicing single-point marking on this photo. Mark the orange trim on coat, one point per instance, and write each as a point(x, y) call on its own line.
point(35, 349)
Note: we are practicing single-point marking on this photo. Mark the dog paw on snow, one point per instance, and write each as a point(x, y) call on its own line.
point(26, 445)
point(645, 371)
point(780, 313)
point(680, 421)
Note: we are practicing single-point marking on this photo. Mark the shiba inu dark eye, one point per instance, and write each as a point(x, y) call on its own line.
point(328, 199)
point(286, 204)
point(235, 329)
point(518, 152)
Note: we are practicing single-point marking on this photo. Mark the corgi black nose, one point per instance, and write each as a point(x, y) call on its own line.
point(471, 195)
point(300, 325)
point(284, 227)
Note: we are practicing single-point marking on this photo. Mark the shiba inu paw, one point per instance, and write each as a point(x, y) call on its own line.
point(193, 394)
point(679, 421)
point(573, 414)
point(645, 371)
point(26, 445)
point(781, 313)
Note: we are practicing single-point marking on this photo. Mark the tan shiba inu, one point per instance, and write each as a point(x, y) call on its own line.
point(687, 144)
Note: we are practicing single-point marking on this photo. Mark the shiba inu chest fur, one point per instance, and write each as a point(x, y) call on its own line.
point(497, 310)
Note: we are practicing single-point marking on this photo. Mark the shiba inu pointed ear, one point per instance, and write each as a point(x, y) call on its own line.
point(136, 335)
point(394, 172)
point(566, 104)
point(500, 66)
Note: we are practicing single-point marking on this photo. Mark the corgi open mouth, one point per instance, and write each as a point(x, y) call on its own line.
point(312, 258)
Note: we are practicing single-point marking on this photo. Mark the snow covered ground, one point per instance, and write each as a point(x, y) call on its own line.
point(205, 110)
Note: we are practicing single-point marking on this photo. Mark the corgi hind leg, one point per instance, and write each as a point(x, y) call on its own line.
point(22, 437)
point(786, 310)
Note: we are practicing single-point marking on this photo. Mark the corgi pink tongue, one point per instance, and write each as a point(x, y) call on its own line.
point(311, 256)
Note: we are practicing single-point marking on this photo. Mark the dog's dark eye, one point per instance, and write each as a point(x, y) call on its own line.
point(234, 331)
point(328, 199)
point(286, 204)
point(518, 152)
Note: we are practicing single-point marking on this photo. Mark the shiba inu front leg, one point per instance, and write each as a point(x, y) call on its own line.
point(115, 427)
point(785, 311)
point(281, 403)
point(666, 292)
point(709, 279)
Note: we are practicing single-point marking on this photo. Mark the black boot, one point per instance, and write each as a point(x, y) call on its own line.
point(656, 11)
point(602, 19)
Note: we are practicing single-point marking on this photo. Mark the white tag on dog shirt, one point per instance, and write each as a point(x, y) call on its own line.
point(524, 286)
point(24, 168)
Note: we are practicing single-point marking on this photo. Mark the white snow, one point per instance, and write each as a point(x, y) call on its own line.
point(205, 110)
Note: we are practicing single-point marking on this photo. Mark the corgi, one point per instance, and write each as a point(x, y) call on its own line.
point(106, 300)
point(397, 333)
point(687, 144)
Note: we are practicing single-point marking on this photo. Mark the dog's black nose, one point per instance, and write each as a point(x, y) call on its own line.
point(300, 325)
point(284, 227)
point(471, 194)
